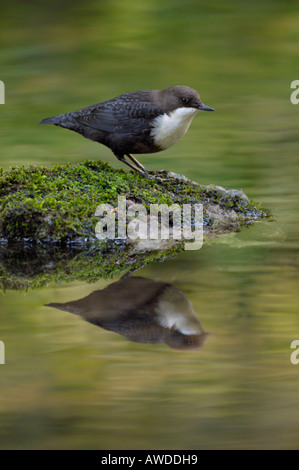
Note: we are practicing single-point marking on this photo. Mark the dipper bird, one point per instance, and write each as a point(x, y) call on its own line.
point(142, 310)
point(144, 121)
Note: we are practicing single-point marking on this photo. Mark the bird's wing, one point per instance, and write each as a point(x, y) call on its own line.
point(121, 116)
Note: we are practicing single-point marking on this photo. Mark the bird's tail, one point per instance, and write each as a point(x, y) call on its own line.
point(67, 307)
point(51, 120)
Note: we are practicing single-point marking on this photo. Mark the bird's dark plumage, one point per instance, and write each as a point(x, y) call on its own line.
point(142, 310)
point(145, 121)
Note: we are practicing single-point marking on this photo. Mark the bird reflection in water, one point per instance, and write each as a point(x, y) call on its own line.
point(142, 310)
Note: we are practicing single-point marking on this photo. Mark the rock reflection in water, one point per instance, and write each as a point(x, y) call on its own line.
point(142, 310)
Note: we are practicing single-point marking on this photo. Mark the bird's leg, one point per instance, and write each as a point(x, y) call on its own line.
point(151, 174)
point(123, 160)
point(137, 163)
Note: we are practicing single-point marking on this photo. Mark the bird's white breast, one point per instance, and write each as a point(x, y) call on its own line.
point(174, 311)
point(169, 128)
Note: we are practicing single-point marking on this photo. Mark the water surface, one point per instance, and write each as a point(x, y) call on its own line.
point(69, 384)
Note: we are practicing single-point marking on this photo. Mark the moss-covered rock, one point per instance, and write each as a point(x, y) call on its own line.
point(47, 220)
point(27, 266)
point(42, 205)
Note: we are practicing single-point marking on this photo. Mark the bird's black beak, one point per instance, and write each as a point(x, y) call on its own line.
point(203, 107)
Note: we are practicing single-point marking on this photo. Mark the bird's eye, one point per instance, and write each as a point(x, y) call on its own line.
point(185, 100)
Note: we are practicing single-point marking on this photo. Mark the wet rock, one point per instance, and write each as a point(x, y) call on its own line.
point(48, 220)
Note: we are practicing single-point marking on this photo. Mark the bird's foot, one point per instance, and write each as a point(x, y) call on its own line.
point(160, 175)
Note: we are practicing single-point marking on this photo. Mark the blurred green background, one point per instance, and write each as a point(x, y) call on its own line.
point(67, 384)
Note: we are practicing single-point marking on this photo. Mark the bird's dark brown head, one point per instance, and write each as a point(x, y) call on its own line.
point(181, 97)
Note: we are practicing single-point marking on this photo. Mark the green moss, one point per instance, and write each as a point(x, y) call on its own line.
point(45, 205)
point(24, 266)
point(47, 220)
